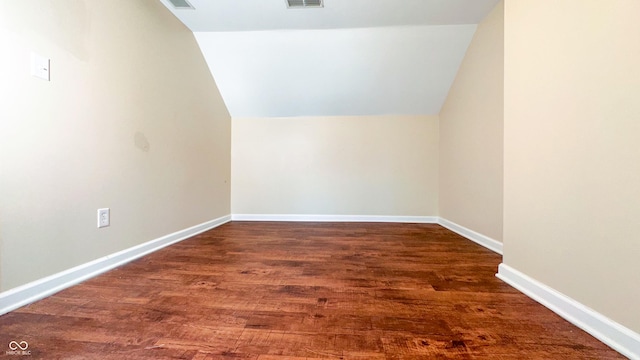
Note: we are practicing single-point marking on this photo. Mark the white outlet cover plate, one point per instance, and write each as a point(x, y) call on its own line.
point(104, 217)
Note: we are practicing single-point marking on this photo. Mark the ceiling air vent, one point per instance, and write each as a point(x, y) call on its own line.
point(181, 4)
point(298, 4)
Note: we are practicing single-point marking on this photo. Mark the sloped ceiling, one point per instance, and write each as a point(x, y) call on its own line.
point(352, 57)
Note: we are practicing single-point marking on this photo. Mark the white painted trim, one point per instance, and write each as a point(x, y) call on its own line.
point(335, 218)
point(39, 289)
point(620, 338)
point(487, 242)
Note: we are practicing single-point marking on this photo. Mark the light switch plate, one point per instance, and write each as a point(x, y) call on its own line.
point(40, 66)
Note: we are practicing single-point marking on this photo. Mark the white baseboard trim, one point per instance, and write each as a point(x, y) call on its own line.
point(620, 338)
point(39, 289)
point(487, 242)
point(335, 218)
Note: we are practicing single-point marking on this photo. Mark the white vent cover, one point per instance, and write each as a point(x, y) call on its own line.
point(297, 4)
point(181, 4)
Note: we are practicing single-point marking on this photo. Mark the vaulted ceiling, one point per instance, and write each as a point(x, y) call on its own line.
point(351, 57)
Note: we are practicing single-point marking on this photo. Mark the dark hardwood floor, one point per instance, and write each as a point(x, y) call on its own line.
point(273, 291)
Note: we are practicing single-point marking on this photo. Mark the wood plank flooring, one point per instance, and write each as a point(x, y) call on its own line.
point(274, 291)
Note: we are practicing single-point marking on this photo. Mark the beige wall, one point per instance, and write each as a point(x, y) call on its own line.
point(471, 134)
point(572, 150)
point(131, 120)
point(383, 165)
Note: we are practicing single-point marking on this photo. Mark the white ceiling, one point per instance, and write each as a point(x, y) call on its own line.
point(376, 71)
point(352, 57)
point(252, 15)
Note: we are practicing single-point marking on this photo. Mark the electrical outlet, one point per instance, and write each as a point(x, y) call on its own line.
point(103, 217)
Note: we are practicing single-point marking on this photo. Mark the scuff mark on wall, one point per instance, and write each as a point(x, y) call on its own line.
point(141, 141)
